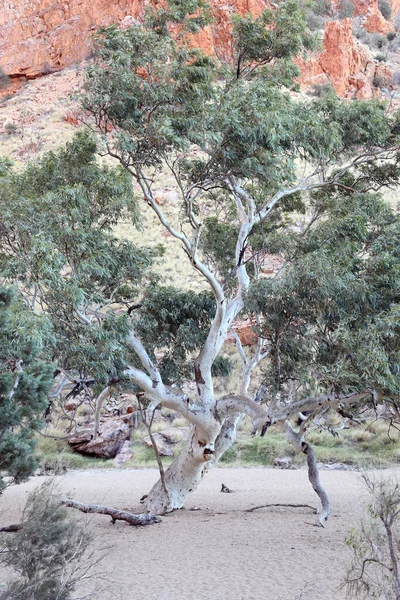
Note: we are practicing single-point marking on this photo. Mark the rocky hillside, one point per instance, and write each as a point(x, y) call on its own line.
point(38, 37)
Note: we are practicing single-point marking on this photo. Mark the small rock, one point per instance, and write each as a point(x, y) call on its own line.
point(113, 434)
point(338, 467)
point(283, 462)
point(225, 489)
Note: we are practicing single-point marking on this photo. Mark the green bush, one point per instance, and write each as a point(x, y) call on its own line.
point(314, 21)
point(373, 40)
point(4, 79)
point(378, 81)
point(346, 9)
point(320, 89)
point(46, 554)
point(385, 9)
point(374, 572)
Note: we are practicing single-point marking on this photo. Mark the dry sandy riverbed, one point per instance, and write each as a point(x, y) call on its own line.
point(221, 552)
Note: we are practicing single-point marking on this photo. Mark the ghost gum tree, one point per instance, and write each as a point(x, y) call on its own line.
point(327, 322)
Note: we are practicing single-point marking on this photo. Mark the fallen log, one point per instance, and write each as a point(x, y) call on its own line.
point(282, 505)
point(115, 514)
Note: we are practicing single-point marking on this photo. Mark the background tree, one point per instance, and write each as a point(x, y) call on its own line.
point(263, 157)
point(25, 380)
point(70, 271)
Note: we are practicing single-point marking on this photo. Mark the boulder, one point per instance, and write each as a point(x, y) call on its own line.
point(372, 19)
point(284, 462)
point(342, 58)
point(173, 435)
point(114, 432)
point(246, 332)
point(164, 448)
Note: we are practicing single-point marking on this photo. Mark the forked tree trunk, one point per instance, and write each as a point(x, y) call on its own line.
point(184, 474)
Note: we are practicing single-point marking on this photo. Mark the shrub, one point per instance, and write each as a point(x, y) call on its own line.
point(10, 128)
point(320, 89)
point(396, 78)
point(374, 572)
point(378, 81)
point(4, 79)
point(46, 553)
point(394, 43)
point(346, 9)
point(373, 40)
point(391, 35)
point(323, 8)
point(385, 9)
point(380, 58)
point(314, 21)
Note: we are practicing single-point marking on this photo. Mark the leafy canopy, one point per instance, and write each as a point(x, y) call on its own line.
point(329, 316)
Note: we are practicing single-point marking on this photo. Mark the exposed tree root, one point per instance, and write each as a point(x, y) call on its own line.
point(115, 514)
point(284, 505)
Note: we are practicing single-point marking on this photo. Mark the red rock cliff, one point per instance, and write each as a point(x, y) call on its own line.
point(38, 36)
point(344, 62)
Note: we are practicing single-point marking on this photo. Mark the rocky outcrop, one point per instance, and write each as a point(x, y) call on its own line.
point(344, 63)
point(40, 36)
point(114, 432)
point(373, 21)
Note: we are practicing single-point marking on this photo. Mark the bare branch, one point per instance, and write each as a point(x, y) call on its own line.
point(115, 514)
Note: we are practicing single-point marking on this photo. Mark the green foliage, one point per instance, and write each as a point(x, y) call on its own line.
point(45, 553)
point(374, 572)
point(24, 382)
point(373, 40)
point(346, 9)
point(332, 316)
point(159, 106)
point(57, 244)
point(175, 324)
point(4, 79)
point(159, 98)
point(385, 9)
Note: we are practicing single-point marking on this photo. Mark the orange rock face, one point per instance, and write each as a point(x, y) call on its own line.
point(342, 63)
point(38, 36)
point(374, 22)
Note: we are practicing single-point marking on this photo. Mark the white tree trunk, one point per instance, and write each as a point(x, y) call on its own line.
point(184, 474)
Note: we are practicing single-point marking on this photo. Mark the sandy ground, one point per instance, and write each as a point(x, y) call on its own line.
point(221, 552)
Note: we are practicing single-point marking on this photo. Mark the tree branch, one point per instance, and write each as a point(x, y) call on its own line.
point(115, 514)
